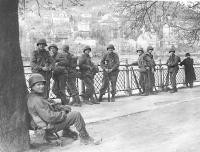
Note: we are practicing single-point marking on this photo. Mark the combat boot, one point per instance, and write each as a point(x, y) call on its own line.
point(100, 97)
point(76, 101)
point(113, 98)
point(70, 133)
point(64, 100)
point(145, 94)
point(86, 101)
point(174, 90)
point(86, 139)
point(93, 100)
point(48, 136)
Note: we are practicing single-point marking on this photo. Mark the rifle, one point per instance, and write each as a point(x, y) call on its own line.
point(106, 64)
point(136, 81)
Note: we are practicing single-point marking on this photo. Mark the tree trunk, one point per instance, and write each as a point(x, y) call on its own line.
point(14, 135)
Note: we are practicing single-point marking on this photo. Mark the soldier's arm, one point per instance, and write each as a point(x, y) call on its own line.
point(102, 63)
point(47, 114)
point(34, 65)
point(150, 61)
point(50, 61)
point(177, 60)
point(182, 63)
point(82, 64)
point(116, 65)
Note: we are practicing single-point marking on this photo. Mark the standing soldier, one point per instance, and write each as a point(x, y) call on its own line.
point(173, 68)
point(189, 70)
point(88, 70)
point(41, 62)
point(110, 66)
point(72, 75)
point(151, 64)
point(143, 70)
point(59, 74)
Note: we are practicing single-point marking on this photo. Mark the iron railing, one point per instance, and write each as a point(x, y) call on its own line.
point(126, 83)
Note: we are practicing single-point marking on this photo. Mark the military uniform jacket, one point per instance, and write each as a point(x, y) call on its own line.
point(150, 60)
point(172, 63)
point(60, 63)
point(86, 65)
point(142, 63)
point(110, 61)
point(40, 59)
point(42, 112)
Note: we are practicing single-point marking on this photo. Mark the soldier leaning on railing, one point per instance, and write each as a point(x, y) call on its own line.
point(87, 68)
point(110, 66)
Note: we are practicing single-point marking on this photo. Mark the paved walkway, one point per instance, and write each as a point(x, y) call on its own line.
point(135, 104)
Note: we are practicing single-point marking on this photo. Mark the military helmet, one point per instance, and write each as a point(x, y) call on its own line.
point(149, 48)
point(65, 47)
point(172, 50)
point(35, 77)
point(53, 45)
point(42, 41)
point(187, 54)
point(111, 46)
point(139, 49)
point(87, 47)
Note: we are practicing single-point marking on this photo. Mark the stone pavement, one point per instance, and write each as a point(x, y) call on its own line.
point(135, 104)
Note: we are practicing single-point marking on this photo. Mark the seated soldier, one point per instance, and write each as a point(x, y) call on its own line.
point(54, 118)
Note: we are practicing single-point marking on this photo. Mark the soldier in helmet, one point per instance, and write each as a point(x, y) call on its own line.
point(151, 64)
point(88, 70)
point(72, 75)
point(51, 117)
point(173, 68)
point(41, 62)
point(59, 74)
point(143, 70)
point(110, 66)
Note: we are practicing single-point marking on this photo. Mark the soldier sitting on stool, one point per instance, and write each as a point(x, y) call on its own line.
point(51, 118)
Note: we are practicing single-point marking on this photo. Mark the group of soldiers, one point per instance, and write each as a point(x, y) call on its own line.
point(146, 65)
point(63, 67)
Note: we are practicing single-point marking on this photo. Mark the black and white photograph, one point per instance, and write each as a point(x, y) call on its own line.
point(99, 76)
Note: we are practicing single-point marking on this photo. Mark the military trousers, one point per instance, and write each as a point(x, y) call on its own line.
point(71, 86)
point(172, 76)
point(107, 78)
point(144, 82)
point(72, 118)
point(89, 84)
point(59, 88)
point(47, 76)
point(151, 80)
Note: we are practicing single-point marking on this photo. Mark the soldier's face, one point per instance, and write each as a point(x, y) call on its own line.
point(110, 50)
point(53, 50)
point(87, 51)
point(150, 51)
point(38, 87)
point(171, 53)
point(140, 52)
point(41, 46)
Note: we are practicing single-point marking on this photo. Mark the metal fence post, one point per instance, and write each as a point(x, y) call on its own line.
point(82, 89)
point(127, 80)
point(161, 75)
